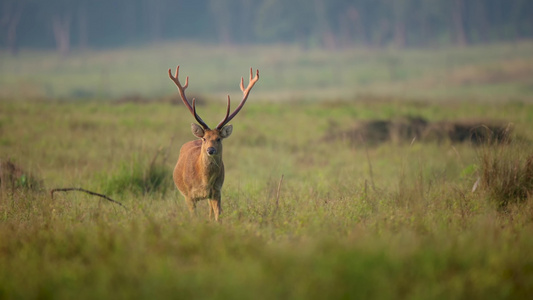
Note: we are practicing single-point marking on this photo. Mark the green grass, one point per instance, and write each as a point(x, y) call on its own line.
point(488, 72)
point(409, 227)
point(392, 220)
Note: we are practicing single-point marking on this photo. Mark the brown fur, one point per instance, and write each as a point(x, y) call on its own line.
point(199, 175)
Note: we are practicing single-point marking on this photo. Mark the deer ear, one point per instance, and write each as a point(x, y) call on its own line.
point(197, 130)
point(226, 131)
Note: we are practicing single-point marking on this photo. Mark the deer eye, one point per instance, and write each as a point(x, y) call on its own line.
point(203, 139)
point(218, 139)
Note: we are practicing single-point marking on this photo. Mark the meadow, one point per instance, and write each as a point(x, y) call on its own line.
point(308, 213)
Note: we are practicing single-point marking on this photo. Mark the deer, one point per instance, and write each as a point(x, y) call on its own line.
point(199, 172)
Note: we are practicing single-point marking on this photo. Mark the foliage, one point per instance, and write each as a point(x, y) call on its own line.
point(137, 178)
point(329, 24)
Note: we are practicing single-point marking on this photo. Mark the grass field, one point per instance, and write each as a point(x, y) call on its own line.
point(349, 219)
point(496, 72)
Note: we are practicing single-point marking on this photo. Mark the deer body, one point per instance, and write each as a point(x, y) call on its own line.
point(209, 173)
point(199, 172)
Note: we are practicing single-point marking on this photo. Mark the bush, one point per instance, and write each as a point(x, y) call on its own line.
point(14, 178)
point(138, 178)
point(506, 174)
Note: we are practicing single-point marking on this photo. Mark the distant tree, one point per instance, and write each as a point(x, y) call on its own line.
point(58, 15)
point(153, 12)
point(233, 20)
point(82, 17)
point(519, 21)
point(478, 23)
point(222, 13)
point(314, 23)
point(349, 25)
point(61, 28)
point(324, 28)
point(400, 12)
point(457, 17)
point(286, 21)
point(9, 20)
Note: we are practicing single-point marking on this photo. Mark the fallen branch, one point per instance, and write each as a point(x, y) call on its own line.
point(85, 191)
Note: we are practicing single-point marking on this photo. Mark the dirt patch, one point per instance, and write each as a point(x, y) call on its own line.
point(405, 130)
point(475, 132)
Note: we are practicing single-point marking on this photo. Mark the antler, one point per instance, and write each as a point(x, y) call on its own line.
point(184, 98)
point(245, 93)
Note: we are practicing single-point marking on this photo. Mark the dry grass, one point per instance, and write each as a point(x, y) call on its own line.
point(506, 174)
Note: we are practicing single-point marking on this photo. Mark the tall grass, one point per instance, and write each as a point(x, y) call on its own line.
point(134, 177)
point(506, 173)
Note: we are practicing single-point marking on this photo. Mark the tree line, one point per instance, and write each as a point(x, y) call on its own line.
point(331, 24)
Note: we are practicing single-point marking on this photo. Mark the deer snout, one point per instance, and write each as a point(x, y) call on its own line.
point(211, 151)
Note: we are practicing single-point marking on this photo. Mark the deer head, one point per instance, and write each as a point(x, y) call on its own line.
point(211, 139)
point(212, 136)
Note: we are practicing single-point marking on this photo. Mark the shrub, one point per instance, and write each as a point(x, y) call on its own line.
point(506, 174)
point(14, 178)
point(137, 178)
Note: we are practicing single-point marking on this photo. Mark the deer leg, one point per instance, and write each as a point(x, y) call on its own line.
point(210, 210)
point(215, 208)
point(192, 206)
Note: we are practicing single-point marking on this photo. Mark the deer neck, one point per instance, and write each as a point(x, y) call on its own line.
point(211, 164)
